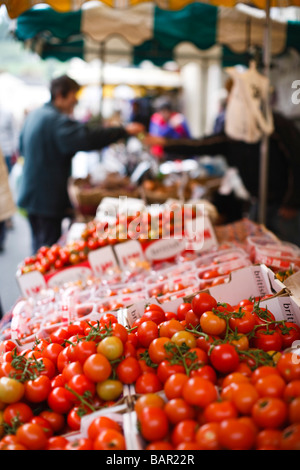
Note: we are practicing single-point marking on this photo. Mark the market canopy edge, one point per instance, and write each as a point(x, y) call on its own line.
point(16, 7)
point(148, 29)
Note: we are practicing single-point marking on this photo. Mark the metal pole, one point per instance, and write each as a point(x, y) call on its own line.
point(264, 150)
point(102, 60)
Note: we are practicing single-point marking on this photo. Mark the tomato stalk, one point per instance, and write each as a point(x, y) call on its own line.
point(29, 369)
point(182, 354)
point(83, 401)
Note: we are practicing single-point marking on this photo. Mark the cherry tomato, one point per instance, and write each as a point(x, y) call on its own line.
point(109, 439)
point(267, 340)
point(11, 390)
point(224, 358)
point(32, 436)
point(173, 386)
point(242, 321)
point(148, 399)
point(128, 370)
point(271, 385)
point(203, 302)
point(199, 392)
point(207, 436)
point(37, 390)
point(20, 412)
point(288, 366)
point(234, 434)
point(290, 437)
point(177, 409)
point(154, 424)
point(109, 389)
point(269, 412)
point(97, 367)
point(148, 382)
point(212, 324)
point(217, 411)
point(184, 431)
point(290, 332)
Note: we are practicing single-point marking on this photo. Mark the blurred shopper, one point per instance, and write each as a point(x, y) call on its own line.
point(8, 137)
point(7, 205)
point(283, 198)
point(168, 123)
point(49, 139)
point(140, 112)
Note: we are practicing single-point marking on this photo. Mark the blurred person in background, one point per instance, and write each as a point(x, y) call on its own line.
point(168, 123)
point(283, 197)
point(49, 139)
point(8, 137)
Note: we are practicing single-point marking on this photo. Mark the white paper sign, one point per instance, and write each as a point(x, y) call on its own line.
point(129, 252)
point(31, 283)
point(164, 249)
point(72, 274)
point(102, 260)
point(200, 235)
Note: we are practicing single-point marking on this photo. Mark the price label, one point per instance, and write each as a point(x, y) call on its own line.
point(164, 249)
point(72, 274)
point(199, 233)
point(32, 283)
point(128, 253)
point(102, 260)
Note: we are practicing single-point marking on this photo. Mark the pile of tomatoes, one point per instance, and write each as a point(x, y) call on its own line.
point(98, 234)
point(208, 376)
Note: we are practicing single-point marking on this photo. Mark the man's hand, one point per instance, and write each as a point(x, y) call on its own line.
point(134, 128)
point(154, 140)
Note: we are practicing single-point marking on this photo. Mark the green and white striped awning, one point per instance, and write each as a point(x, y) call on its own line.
point(146, 31)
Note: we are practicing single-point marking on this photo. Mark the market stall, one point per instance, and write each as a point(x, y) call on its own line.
point(122, 327)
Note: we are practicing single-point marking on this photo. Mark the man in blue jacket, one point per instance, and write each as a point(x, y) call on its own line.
point(49, 139)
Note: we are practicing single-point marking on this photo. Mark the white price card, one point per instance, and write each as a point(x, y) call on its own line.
point(164, 249)
point(199, 234)
point(71, 274)
point(102, 260)
point(31, 283)
point(128, 253)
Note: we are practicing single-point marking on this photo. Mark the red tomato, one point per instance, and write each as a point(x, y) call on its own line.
point(267, 340)
point(199, 392)
point(100, 423)
point(147, 331)
point(269, 412)
point(97, 367)
point(224, 358)
point(148, 382)
point(203, 302)
point(156, 315)
point(56, 443)
point(128, 370)
point(242, 321)
point(234, 434)
point(182, 309)
point(288, 366)
point(154, 424)
point(17, 411)
point(37, 390)
point(290, 332)
point(60, 400)
point(109, 439)
point(177, 409)
point(32, 436)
